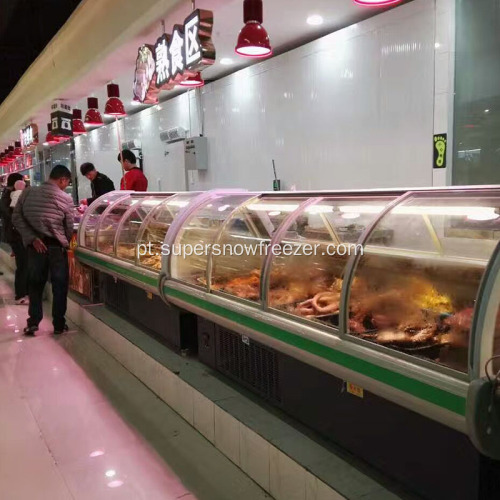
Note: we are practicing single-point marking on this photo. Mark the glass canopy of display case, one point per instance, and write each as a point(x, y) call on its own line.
point(153, 231)
point(108, 226)
point(408, 275)
point(306, 280)
point(198, 234)
point(131, 223)
point(416, 292)
point(93, 217)
point(243, 244)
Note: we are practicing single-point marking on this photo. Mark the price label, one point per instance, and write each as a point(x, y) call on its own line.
point(355, 390)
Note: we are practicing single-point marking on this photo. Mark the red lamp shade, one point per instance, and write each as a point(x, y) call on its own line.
point(114, 106)
point(376, 3)
point(253, 40)
point(93, 117)
point(18, 150)
point(78, 126)
point(193, 81)
point(50, 140)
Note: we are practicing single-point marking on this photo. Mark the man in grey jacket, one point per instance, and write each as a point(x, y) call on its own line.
point(44, 218)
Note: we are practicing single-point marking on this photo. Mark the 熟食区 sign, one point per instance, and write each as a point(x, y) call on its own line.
point(188, 50)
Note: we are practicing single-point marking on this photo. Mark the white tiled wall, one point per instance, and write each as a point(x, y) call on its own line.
point(354, 109)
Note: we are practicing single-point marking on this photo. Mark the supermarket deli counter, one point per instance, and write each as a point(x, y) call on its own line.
point(395, 294)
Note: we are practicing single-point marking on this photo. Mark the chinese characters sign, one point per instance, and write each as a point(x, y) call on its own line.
point(29, 136)
point(61, 118)
point(188, 50)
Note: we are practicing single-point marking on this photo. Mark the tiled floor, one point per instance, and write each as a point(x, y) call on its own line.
point(74, 424)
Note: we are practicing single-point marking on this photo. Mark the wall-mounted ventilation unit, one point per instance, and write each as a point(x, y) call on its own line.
point(135, 144)
point(173, 135)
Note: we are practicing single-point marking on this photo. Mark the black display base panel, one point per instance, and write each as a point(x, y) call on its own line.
point(173, 326)
point(433, 460)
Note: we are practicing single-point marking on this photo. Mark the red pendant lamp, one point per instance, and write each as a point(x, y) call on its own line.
point(377, 3)
point(193, 81)
point(78, 126)
point(18, 150)
point(114, 106)
point(50, 140)
point(93, 117)
point(253, 40)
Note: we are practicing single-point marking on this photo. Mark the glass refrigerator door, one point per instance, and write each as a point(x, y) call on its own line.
point(108, 226)
point(155, 227)
point(306, 279)
point(243, 243)
point(130, 228)
point(192, 244)
point(416, 292)
point(93, 216)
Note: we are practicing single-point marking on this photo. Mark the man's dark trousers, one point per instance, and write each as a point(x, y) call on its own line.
point(55, 262)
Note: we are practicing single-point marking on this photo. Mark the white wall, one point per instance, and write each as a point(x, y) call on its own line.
point(354, 109)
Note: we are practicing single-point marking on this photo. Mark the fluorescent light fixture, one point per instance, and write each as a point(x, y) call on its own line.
point(315, 20)
point(270, 207)
point(319, 209)
point(352, 215)
point(472, 213)
point(178, 203)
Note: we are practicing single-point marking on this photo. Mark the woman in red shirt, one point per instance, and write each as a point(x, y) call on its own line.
point(134, 179)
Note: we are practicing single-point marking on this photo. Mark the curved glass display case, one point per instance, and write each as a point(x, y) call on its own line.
point(192, 245)
point(152, 235)
point(393, 280)
point(93, 217)
point(416, 293)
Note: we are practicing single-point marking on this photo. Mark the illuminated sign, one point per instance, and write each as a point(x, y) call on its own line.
point(29, 136)
point(174, 58)
point(188, 50)
point(61, 118)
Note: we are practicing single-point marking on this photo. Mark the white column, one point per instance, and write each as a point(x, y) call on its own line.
point(444, 83)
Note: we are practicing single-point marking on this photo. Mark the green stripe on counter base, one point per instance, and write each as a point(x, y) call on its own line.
point(93, 259)
point(421, 390)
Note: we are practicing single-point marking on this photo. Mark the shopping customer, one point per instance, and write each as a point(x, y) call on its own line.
point(134, 179)
point(99, 183)
point(13, 238)
point(44, 218)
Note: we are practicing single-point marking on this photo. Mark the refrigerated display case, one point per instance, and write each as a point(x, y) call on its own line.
point(392, 291)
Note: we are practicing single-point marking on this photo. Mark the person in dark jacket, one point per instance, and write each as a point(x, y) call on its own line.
point(44, 218)
point(13, 238)
point(99, 183)
point(134, 179)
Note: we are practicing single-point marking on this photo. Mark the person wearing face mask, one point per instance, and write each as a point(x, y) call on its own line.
point(44, 218)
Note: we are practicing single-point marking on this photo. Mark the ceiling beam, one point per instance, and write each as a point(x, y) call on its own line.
point(95, 30)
